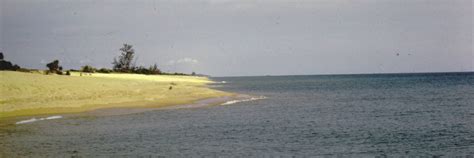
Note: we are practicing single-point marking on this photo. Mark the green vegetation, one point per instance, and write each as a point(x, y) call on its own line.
point(151, 70)
point(6, 65)
point(54, 67)
point(124, 63)
point(88, 68)
point(104, 70)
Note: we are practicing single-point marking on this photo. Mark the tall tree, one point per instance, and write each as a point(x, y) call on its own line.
point(124, 61)
point(54, 67)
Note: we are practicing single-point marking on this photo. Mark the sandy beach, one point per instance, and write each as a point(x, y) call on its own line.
point(28, 94)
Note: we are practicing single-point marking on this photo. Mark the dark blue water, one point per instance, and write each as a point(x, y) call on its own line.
point(345, 115)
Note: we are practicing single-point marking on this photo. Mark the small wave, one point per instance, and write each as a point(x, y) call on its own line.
point(40, 119)
point(53, 117)
point(27, 121)
point(243, 100)
point(223, 82)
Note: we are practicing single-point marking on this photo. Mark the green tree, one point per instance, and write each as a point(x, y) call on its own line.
point(54, 67)
point(124, 61)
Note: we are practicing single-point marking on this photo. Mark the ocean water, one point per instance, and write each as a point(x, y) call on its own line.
point(393, 115)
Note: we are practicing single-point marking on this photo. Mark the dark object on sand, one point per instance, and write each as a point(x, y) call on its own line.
point(171, 87)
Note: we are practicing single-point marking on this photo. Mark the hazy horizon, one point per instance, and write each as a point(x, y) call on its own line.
point(244, 37)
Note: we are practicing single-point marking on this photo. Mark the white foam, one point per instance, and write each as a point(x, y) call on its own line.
point(243, 100)
point(223, 82)
point(40, 119)
point(53, 117)
point(27, 121)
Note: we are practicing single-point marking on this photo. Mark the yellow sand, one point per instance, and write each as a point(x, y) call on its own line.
point(24, 94)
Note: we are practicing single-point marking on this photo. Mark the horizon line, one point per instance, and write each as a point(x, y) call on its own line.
point(342, 74)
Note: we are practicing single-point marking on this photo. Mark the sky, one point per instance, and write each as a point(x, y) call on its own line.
point(243, 37)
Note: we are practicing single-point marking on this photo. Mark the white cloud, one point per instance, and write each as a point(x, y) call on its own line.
point(85, 61)
point(183, 61)
point(43, 61)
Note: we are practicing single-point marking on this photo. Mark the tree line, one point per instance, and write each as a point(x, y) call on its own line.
point(124, 63)
point(6, 65)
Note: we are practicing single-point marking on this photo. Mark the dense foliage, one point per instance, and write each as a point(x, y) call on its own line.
point(54, 67)
point(88, 68)
point(124, 61)
point(6, 65)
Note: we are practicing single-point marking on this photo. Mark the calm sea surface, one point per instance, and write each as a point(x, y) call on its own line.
point(335, 116)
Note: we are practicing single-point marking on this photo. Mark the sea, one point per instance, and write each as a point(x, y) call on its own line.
point(370, 115)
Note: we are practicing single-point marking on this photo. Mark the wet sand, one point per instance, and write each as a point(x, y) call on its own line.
point(225, 100)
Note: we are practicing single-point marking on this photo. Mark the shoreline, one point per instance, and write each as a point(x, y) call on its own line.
point(105, 107)
point(113, 111)
point(35, 95)
point(126, 110)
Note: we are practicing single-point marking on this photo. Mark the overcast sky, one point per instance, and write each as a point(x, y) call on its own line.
point(244, 37)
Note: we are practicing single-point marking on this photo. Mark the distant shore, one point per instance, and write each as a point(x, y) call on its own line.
point(28, 94)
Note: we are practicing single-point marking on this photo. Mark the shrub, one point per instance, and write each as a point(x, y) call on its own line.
point(104, 70)
point(54, 67)
point(154, 69)
point(141, 70)
point(88, 68)
point(6, 65)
